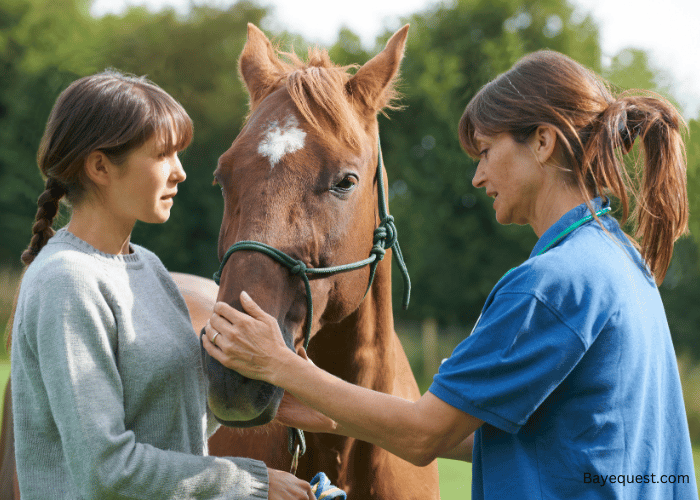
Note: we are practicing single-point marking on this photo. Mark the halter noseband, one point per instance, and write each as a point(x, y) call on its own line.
point(384, 237)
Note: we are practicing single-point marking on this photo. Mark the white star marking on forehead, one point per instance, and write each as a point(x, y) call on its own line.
point(279, 140)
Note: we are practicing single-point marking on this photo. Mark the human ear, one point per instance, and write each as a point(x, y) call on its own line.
point(544, 142)
point(97, 168)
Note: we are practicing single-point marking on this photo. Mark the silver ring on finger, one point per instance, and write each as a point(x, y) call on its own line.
point(213, 339)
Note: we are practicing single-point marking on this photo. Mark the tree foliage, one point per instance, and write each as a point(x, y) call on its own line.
point(453, 246)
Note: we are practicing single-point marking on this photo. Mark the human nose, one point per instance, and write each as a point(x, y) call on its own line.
point(177, 173)
point(479, 176)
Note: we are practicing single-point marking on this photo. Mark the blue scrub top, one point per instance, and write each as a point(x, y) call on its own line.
point(572, 369)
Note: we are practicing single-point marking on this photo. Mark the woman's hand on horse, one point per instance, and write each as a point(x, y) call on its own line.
point(249, 342)
point(284, 486)
point(294, 413)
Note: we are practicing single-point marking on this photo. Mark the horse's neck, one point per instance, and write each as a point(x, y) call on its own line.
point(364, 350)
point(361, 348)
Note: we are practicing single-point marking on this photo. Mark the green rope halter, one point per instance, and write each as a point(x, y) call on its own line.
point(384, 237)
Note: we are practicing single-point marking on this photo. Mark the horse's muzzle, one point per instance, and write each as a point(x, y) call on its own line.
point(237, 401)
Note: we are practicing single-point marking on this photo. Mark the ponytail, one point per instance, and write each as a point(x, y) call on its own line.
point(657, 184)
point(42, 230)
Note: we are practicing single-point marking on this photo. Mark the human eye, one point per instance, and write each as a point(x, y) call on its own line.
point(483, 153)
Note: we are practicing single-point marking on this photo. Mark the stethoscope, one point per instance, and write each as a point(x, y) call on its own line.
point(573, 226)
point(555, 241)
point(564, 233)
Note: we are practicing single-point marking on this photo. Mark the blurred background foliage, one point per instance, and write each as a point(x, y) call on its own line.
point(454, 249)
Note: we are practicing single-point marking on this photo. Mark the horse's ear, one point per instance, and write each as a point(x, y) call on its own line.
point(259, 66)
point(373, 82)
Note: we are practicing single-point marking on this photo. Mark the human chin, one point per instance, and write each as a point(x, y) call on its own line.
point(158, 215)
point(164, 216)
point(502, 213)
point(164, 208)
point(502, 219)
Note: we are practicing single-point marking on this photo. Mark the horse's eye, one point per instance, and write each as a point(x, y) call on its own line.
point(347, 184)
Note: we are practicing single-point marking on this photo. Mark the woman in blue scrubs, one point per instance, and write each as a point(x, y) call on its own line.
point(568, 385)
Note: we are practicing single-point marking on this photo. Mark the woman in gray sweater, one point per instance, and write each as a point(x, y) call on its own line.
point(107, 380)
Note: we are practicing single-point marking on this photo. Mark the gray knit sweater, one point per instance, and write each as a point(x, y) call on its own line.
point(107, 384)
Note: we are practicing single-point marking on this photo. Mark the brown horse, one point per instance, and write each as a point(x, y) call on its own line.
point(302, 177)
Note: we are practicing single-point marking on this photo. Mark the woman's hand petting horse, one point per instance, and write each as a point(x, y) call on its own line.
point(258, 340)
point(294, 413)
point(291, 411)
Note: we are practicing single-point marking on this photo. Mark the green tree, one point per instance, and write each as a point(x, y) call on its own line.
point(632, 69)
point(681, 289)
point(693, 152)
point(44, 45)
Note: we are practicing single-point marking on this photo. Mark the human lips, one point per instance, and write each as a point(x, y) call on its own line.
point(494, 196)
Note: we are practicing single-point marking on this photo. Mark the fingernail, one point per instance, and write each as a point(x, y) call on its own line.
point(245, 295)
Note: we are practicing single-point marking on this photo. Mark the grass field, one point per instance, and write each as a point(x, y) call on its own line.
point(455, 480)
point(4, 375)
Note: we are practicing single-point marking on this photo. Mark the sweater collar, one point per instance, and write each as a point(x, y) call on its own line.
point(66, 237)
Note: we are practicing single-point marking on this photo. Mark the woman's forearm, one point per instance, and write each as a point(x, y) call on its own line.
point(417, 431)
point(251, 343)
point(463, 451)
point(387, 421)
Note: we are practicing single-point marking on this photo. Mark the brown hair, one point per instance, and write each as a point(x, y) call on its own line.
point(110, 112)
point(595, 129)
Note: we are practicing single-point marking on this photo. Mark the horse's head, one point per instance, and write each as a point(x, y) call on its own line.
point(300, 177)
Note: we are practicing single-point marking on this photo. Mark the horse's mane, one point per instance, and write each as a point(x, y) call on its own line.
point(320, 92)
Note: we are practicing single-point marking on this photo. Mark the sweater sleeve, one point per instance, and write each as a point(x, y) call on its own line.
point(75, 330)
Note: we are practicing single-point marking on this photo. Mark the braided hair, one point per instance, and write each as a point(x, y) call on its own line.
point(42, 229)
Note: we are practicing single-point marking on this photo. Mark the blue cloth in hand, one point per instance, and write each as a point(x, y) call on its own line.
point(323, 489)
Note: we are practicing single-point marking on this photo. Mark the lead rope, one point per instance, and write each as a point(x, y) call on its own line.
point(295, 449)
point(385, 236)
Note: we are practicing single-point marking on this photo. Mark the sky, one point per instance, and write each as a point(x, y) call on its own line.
point(668, 29)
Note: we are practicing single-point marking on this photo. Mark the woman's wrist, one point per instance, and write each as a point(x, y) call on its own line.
point(282, 367)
